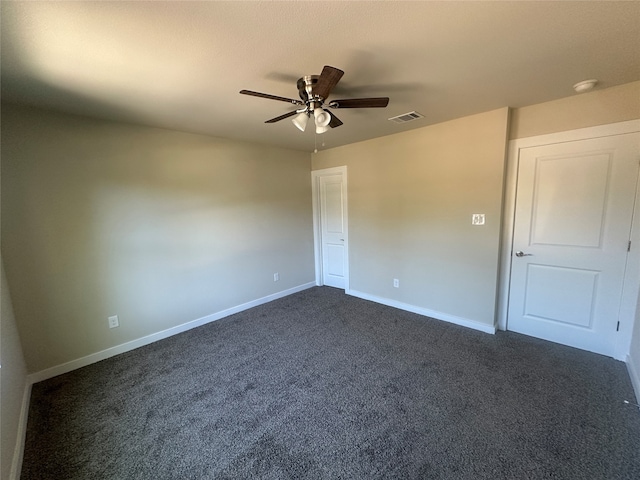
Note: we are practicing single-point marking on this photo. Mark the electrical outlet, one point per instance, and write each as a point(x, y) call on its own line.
point(396, 283)
point(114, 322)
point(276, 277)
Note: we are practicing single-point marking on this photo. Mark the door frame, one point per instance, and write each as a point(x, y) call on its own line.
point(317, 219)
point(631, 279)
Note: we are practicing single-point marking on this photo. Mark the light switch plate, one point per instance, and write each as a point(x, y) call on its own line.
point(477, 219)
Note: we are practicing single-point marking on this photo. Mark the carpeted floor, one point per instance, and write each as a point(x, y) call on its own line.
point(320, 385)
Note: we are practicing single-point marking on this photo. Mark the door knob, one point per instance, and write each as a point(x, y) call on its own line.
point(522, 254)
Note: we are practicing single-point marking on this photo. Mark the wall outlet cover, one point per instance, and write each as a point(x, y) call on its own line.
point(114, 322)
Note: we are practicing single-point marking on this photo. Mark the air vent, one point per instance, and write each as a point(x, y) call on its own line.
point(406, 117)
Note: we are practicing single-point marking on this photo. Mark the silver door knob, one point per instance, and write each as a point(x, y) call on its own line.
point(522, 254)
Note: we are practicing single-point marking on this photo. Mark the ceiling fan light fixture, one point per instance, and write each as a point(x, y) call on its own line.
point(322, 128)
point(313, 91)
point(300, 121)
point(322, 118)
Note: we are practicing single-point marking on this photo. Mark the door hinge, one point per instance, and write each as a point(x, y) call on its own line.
point(629, 246)
point(618, 327)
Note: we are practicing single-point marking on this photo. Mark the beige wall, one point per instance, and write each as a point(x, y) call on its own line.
point(599, 107)
point(13, 381)
point(158, 227)
point(411, 197)
point(162, 227)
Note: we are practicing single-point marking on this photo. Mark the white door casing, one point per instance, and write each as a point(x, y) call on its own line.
point(573, 217)
point(331, 227)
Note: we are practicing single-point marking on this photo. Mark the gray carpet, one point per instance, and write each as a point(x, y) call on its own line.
point(320, 385)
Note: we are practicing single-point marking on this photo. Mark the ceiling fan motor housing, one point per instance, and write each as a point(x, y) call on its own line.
point(305, 86)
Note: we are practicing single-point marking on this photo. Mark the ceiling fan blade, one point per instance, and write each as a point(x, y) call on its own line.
point(378, 102)
point(327, 80)
point(335, 121)
point(271, 97)
point(282, 117)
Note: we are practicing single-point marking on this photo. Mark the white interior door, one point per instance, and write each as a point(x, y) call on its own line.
point(333, 229)
point(574, 209)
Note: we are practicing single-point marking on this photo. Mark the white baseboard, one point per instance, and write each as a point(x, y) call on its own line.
point(426, 312)
point(154, 337)
point(634, 374)
point(16, 463)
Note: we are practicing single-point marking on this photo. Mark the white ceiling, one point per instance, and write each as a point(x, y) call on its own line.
point(180, 65)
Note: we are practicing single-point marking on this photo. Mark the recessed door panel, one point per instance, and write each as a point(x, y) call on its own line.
point(335, 260)
point(548, 298)
point(333, 206)
point(570, 200)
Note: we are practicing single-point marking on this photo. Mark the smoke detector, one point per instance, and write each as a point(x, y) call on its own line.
point(585, 86)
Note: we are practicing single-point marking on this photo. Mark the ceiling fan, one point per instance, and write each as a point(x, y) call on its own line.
point(314, 91)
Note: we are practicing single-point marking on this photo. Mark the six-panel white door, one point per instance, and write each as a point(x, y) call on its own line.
point(332, 221)
point(574, 208)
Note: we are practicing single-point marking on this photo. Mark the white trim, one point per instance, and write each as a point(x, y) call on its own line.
point(515, 146)
point(608, 130)
point(317, 238)
point(154, 337)
point(18, 452)
point(635, 377)
point(631, 286)
point(445, 317)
